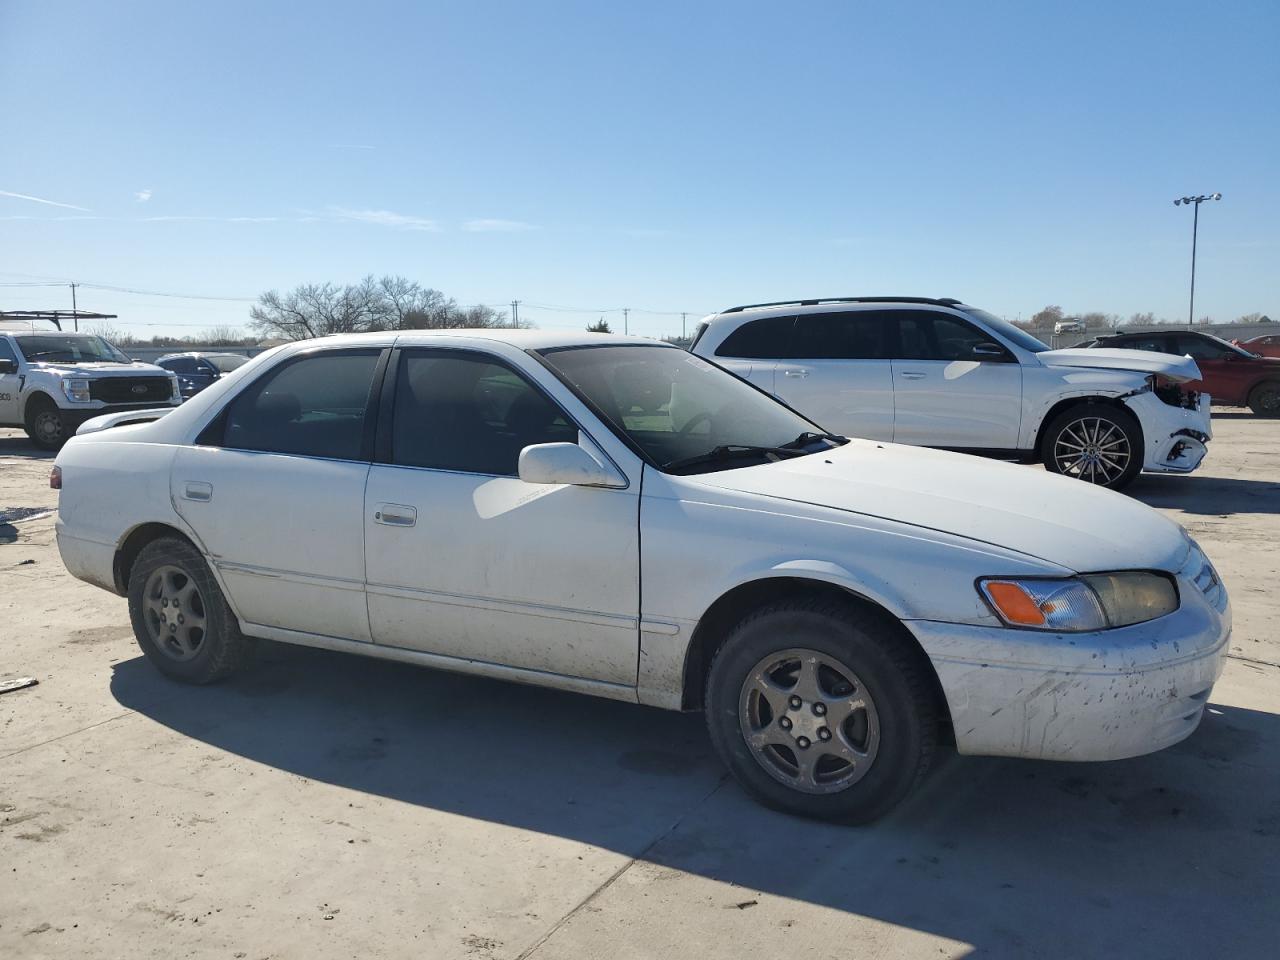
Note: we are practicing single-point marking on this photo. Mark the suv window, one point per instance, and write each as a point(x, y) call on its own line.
point(6, 350)
point(1156, 344)
point(1201, 348)
point(847, 335)
point(311, 407)
point(469, 414)
point(765, 339)
point(180, 365)
point(924, 335)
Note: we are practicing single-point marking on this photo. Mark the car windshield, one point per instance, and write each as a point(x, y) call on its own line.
point(1010, 332)
point(227, 362)
point(682, 412)
point(67, 348)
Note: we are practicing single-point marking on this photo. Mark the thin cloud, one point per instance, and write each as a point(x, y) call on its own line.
point(385, 218)
point(51, 203)
point(178, 219)
point(142, 196)
point(497, 226)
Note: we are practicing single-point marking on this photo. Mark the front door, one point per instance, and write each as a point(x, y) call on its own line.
point(1226, 375)
point(8, 383)
point(274, 490)
point(945, 394)
point(466, 560)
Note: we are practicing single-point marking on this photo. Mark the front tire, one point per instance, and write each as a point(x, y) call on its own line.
point(180, 618)
point(45, 425)
point(1096, 443)
point(820, 708)
point(1264, 399)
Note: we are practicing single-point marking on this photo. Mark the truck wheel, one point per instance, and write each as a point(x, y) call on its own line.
point(1096, 443)
point(45, 425)
point(1264, 400)
point(180, 618)
point(819, 708)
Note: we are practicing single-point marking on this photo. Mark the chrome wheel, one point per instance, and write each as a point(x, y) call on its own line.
point(47, 427)
point(174, 612)
point(1093, 449)
point(809, 721)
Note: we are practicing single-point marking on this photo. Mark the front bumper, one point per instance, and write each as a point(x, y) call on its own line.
point(1093, 696)
point(1174, 438)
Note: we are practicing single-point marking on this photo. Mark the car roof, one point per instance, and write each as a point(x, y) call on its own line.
point(521, 339)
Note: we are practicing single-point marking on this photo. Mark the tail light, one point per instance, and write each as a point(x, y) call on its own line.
point(55, 478)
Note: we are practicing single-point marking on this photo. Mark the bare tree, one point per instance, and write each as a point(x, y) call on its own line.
point(112, 334)
point(1045, 319)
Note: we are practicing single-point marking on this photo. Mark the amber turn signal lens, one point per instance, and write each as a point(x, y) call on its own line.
point(1015, 604)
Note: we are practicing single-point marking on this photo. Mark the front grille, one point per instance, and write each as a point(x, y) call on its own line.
point(130, 389)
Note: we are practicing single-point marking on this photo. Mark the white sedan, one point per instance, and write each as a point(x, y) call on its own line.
point(619, 517)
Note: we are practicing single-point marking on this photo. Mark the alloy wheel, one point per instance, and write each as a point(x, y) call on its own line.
point(174, 612)
point(1093, 449)
point(809, 721)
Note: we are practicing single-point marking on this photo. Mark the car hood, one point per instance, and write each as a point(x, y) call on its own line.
point(1173, 368)
point(1066, 522)
point(102, 369)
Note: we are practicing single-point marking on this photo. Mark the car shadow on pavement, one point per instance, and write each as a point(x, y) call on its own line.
point(22, 447)
point(1169, 855)
point(1207, 495)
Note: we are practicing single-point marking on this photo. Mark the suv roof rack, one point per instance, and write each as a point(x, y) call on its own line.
point(937, 301)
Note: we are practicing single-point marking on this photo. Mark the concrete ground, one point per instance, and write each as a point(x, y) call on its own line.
point(330, 806)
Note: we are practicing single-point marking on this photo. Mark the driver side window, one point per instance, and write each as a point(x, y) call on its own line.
point(924, 335)
point(1201, 349)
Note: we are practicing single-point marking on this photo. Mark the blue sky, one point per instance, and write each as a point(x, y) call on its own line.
point(666, 157)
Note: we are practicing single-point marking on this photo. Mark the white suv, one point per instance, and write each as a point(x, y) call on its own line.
point(938, 373)
point(51, 381)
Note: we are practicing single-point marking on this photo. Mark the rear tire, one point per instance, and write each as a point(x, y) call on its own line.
point(822, 709)
point(180, 618)
point(45, 424)
point(1096, 443)
point(1264, 399)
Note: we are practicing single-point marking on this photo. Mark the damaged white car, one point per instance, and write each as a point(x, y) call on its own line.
point(618, 517)
point(939, 373)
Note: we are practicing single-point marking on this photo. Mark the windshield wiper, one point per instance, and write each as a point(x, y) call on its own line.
point(729, 451)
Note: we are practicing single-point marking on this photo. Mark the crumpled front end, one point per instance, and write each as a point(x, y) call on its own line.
point(1176, 427)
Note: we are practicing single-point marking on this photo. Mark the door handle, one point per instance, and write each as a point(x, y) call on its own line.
point(395, 515)
point(198, 491)
point(795, 373)
point(912, 375)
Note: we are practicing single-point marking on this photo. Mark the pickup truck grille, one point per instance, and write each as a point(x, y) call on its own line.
point(131, 389)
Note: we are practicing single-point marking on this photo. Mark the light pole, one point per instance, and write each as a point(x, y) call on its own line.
point(1195, 226)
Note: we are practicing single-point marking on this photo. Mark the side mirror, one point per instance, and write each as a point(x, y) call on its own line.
point(566, 463)
point(8, 366)
point(990, 351)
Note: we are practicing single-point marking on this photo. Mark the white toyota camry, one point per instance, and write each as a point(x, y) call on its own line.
point(619, 517)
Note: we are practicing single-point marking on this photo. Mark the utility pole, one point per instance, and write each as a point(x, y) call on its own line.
point(75, 314)
point(684, 333)
point(1195, 227)
point(626, 317)
point(515, 314)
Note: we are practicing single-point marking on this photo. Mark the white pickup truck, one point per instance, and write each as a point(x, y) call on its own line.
point(51, 381)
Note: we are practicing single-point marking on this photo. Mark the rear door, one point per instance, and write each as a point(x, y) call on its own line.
point(945, 394)
point(8, 383)
point(274, 489)
point(838, 372)
point(752, 351)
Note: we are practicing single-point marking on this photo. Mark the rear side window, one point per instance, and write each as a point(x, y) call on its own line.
point(466, 413)
point(765, 339)
point(848, 335)
point(1155, 344)
point(312, 407)
point(923, 335)
point(6, 351)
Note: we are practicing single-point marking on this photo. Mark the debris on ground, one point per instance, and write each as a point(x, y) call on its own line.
point(7, 686)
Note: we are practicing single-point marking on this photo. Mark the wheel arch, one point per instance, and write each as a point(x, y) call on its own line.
point(1052, 413)
point(716, 622)
point(37, 396)
point(131, 545)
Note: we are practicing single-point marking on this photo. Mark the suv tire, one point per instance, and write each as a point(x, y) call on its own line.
point(1094, 442)
point(778, 709)
point(180, 617)
point(1264, 399)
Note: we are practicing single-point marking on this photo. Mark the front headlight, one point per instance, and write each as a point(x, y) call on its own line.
point(77, 390)
point(1096, 601)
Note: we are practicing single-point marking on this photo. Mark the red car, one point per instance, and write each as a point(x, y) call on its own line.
point(1232, 376)
point(1267, 345)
